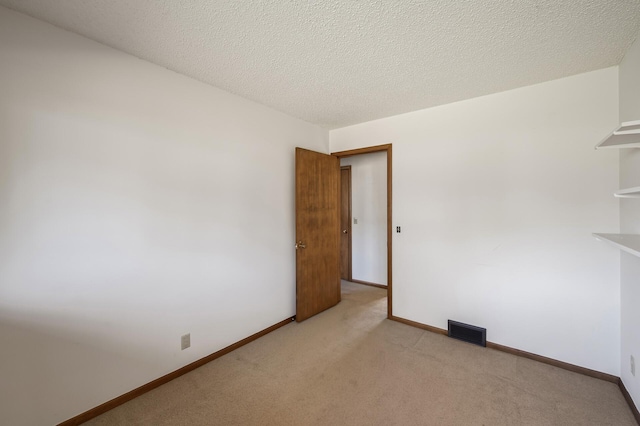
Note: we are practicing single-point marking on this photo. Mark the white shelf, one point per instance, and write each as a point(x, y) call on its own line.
point(628, 193)
point(626, 242)
point(626, 136)
point(628, 128)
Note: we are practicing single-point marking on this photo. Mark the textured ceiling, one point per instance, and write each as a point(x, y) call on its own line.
point(336, 63)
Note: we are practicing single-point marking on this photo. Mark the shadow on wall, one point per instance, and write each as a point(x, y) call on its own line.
point(45, 350)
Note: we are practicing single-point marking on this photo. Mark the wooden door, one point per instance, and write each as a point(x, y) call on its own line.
point(317, 232)
point(345, 222)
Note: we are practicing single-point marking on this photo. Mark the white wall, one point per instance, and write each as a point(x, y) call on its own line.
point(136, 205)
point(369, 207)
point(497, 198)
point(630, 224)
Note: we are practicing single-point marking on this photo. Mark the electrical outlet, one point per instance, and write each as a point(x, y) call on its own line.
point(185, 341)
point(633, 365)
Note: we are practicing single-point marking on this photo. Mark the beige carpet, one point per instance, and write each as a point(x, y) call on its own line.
point(351, 366)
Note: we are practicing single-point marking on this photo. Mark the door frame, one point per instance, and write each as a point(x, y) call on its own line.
point(381, 148)
point(349, 248)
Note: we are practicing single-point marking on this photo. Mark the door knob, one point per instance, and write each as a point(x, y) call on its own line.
point(344, 231)
point(300, 244)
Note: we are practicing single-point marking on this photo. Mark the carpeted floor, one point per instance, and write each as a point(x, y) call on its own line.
point(351, 366)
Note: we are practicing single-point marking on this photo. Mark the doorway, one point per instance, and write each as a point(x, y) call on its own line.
point(358, 152)
point(345, 223)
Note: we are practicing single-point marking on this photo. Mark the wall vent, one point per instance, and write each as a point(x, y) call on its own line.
point(468, 333)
